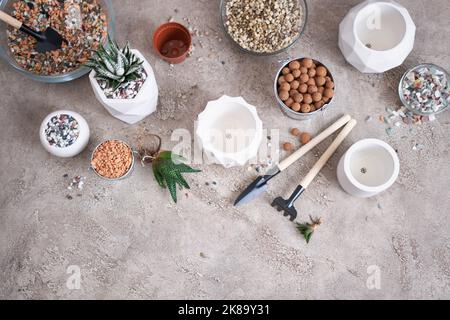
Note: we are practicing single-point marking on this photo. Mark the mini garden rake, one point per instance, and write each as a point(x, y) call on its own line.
point(287, 205)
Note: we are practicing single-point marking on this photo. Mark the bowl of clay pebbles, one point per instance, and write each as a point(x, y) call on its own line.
point(72, 30)
point(264, 27)
point(304, 87)
point(112, 160)
point(424, 89)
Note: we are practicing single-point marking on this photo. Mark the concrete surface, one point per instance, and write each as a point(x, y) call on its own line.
point(130, 241)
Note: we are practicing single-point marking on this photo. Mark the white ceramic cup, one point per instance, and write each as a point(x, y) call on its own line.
point(75, 148)
point(230, 129)
point(368, 168)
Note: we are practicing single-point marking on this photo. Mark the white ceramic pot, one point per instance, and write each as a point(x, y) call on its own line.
point(230, 129)
point(131, 110)
point(376, 36)
point(369, 167)
point(79, 143)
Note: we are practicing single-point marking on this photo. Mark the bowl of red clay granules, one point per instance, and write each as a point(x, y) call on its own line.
point(83, 24)
point(112, 160)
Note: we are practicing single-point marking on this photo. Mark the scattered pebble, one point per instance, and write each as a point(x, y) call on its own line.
point(77, 183)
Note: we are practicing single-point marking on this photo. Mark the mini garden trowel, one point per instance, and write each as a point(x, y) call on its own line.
point(259, 186)
point(47, 40)
point(288, 205)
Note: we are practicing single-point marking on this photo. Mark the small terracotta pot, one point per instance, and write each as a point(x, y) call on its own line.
point(172, 41)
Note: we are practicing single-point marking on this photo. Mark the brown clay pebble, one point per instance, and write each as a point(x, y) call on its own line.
point(285, 71)
point(312, 89)
point(307, 98)
point(285, 87)
point(311, 73)
point(289, 77)
point(303, 70)
point(295, 84)
point(306, 108)
point(287, 146)
point(281, 80)
point(321, 89)
point(311, 82)
point(325, 99)
point(307, 63)
point(321, 71)
point(319, 104)
point(293, 92)
point(289, 102)
point(294, 65)
point(317, 96)
point(305, 137)
point(284, 95)
point(296, 73)
point(327, 78)
point(303, 88)
point(296, 106)
point(312, 108)
point(329, 93)
point(295, 132)
point(329, 84)
point(304, 78)
point(320, 81)
point(298, 97)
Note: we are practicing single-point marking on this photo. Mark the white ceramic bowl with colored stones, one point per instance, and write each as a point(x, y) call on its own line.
point(368, 168)
point(230, 129)
point(376, 36)
point(54, 137)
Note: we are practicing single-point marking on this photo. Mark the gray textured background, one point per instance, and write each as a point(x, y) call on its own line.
point(131, 242)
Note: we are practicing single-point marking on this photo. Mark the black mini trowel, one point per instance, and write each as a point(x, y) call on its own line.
point(259, 186)
point(47, 40)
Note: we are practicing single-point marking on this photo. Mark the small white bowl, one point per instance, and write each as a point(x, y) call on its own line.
point(368, 168)
point(231, 130)
point(75, 148)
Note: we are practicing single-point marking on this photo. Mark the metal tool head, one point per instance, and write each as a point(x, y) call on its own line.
point(285, 205)
point(254, 190)
point(49, 40)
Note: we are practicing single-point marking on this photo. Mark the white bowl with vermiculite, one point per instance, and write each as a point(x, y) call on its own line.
point(79, 143)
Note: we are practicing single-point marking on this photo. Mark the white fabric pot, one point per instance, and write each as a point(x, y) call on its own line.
point(376, 36)
point(230, 129)
point(131, 110)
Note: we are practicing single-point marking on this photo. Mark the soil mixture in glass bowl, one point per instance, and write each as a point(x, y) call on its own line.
point(82, 23)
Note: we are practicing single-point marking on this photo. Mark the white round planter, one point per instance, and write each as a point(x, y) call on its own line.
point(376, 36)
point(131, 110)
point(230, 129)
point(369, 167)
point(80, 143)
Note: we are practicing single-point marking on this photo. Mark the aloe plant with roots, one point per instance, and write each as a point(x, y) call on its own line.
point(115, 65)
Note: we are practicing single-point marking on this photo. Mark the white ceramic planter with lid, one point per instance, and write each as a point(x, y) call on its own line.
point(131, 110)
point(80, 143)
point(368, 168)
point(376, 36)
point(231, 130)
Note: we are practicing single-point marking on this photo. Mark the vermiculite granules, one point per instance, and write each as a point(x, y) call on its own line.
point(264, 26)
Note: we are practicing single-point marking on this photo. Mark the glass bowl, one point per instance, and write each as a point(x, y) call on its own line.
point(303, 6)
point(5, 54)
point(400, 89)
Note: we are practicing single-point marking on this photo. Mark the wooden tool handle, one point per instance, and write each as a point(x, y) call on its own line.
point(10, 20)
point(327, 154)
point(314, 142)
